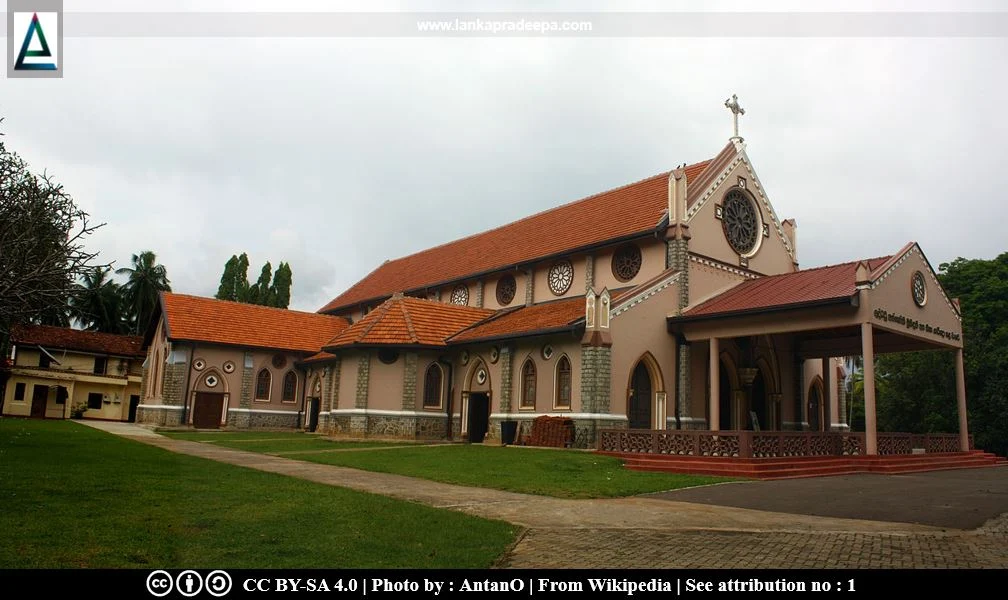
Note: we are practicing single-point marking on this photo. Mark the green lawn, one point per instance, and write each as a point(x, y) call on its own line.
point(77, 497)
point(269, 442)
point(560, 473)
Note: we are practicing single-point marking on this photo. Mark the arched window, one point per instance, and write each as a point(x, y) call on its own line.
point(528, 389)
point(432, 387)
point(289, 387)
point(563, 384)
point(263, 381)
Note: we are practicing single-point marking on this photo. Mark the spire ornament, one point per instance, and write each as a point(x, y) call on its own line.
point(733, 105)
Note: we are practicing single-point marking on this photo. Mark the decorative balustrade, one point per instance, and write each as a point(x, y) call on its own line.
point(769, 444)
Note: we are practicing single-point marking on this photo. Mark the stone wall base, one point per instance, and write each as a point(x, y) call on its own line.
point(254, 420)
point(388, 426)
point(162, 417)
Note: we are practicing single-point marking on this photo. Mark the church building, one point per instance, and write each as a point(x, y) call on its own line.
point(671, 303)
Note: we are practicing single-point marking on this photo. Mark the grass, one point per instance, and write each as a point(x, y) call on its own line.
point(269, 442)
point(77, 497)
point(559, 473)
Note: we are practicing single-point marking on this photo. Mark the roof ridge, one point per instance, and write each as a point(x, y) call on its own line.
point(378, 313)
point(252, 306)
point(409, 323)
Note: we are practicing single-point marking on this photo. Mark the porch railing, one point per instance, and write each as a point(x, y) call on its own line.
point(769, 444)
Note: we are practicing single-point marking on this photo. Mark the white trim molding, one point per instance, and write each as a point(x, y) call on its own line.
point(161, 406)
point(625, 305)
point(264, 411)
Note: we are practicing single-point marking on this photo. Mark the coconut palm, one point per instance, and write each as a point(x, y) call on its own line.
point(97, 303)
point(145, 280)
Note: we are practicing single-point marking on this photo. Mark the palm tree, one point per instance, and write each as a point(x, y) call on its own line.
point(146, 280)
point(97, 303)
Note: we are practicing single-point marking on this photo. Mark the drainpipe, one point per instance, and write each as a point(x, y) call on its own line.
point(448, 401)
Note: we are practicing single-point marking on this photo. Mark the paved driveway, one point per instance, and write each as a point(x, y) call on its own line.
point(957, 499)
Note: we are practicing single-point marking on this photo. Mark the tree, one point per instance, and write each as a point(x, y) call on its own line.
point(146, 279)
point(280, 290)
point(234, 281)
point(920, 395)
point(42, 254)
point(271, 289)
point(97, 303)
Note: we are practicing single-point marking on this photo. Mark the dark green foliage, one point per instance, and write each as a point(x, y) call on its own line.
point(146, 279)
point(269, 290)
point(919, 395)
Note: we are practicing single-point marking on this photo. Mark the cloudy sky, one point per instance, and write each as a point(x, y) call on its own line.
point(336, 153)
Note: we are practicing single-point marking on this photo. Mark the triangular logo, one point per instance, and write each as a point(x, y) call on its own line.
point(34, 28)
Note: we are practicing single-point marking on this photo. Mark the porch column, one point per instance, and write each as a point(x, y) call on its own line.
point(827, 383)
point(868, 355)
point(961, 397)
point(715, 382)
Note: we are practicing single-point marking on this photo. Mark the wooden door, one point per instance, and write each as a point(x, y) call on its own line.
point(207, 410)
point(40, 395)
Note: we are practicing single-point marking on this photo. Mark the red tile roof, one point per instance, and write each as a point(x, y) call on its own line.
point(408, 321)
point(319, 356)
point(65, 338)
point(809, 286)
point(546, 316)
point(198, 319)
point(641, 206)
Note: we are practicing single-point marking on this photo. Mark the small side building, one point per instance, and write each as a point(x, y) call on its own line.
point(213, 363)
point(54, 369)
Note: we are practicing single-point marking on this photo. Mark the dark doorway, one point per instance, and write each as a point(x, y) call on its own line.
point(640, 398)
point(814, 407)
point(40, 395)
point(758, 403)
point(134, 403)
point(724, 400)
point(313, 414)
point(207, 410)
point(479, 416)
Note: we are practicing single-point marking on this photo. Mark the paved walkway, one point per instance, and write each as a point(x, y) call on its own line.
point(648, 531)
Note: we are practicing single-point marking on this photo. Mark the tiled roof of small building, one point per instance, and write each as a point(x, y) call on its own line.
point(65, 338)
point(543, 317)
point(407, 321)
point(640, 207)
point(198, 319)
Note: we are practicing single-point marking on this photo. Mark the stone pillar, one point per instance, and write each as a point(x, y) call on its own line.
point(529, 285)
point(334, 382)
point(479, 294)
point(828, 387)
point(359, 423)
point(589, 272)
point(868, 353)
point(409, 384)
point(683, 383)
point(505, 359)
point(245, 400)
point(960, 375)
point(715, 386)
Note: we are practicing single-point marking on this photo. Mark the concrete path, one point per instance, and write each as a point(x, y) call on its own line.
point(647, 531)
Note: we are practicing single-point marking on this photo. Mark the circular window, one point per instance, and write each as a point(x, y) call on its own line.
point(494, 354)
point(740, 221)
point(561, 275)
point(626, 262)
point(918, 286)
point(464, 357)
point(211, 380)
point(547, 352)
point(460, 295)
point(481, 376)
point(388, 356)
point(229, 367)
point(199, 364)
point(506, 290)
point(279, 361)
